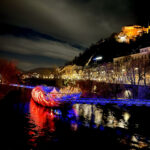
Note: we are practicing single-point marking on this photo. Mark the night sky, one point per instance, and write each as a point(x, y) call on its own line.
point(47, 33)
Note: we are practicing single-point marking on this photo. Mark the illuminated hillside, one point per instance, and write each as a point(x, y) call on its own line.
point(131, 33)
point(129, 40)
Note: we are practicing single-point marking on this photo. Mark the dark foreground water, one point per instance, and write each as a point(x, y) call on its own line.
point(24, 125)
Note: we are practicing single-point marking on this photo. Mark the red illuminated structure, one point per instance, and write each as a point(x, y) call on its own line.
point(50, 96)
point(45, 96)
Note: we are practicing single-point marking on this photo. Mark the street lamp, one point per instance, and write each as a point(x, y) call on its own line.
point(98, 58)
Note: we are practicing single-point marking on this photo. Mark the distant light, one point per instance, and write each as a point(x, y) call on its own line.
point(98, 58)
point(123, 39)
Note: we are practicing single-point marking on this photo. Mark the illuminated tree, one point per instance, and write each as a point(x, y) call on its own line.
point(9, 72)
point(135, 71)
point(110, 74)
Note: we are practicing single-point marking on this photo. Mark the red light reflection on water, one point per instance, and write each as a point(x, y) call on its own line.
point(40, 118)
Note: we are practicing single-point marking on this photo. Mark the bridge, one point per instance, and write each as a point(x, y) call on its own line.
point(101, 101)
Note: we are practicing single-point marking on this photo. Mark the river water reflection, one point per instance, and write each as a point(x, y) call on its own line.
point(26, 125)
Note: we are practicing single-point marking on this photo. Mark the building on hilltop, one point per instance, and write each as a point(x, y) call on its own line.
point(131, 33)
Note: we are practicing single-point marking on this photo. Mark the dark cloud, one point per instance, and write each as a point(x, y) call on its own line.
point(80, 22)
point(27, 62)
point(61, 29)
point(62, 52)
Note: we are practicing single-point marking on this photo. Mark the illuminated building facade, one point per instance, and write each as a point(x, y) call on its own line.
point(144, 54)
point(134, 68)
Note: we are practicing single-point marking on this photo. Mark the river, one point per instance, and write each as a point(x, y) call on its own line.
point(25, 125)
